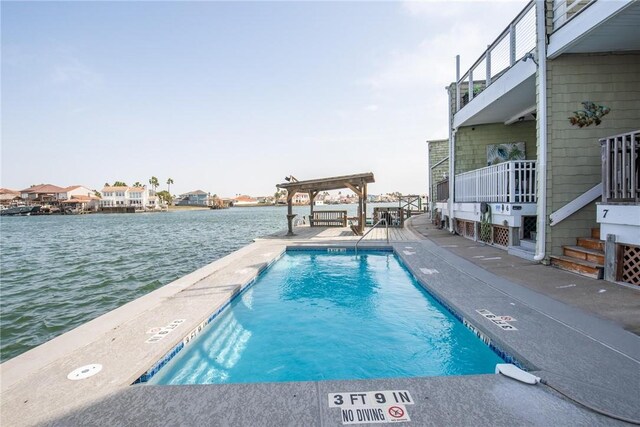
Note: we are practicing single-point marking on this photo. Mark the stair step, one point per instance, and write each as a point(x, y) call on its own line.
point(528, 244)
point(580, 266)
point(584, 253)
point(591, 243)
point(595, 233)
point(522, 252)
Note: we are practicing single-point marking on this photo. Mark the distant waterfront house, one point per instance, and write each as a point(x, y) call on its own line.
point(266, 200)
point(123, 196)
point(153, 202)
point(301, 199)
point(527, 171)
point(75, 190)
point(81, 203)
point(9, 197)
point(245, 200)
point(193, 198)
point(43, 194)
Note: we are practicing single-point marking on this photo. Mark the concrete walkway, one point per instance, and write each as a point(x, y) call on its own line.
point(589, 357)
point(618, 303)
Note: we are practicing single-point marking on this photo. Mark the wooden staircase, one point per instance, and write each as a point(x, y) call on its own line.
point(587, 258)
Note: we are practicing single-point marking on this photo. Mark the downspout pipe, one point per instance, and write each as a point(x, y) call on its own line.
point(452, 143)
point(452, 176)
point(541, 209)
point(429, 181)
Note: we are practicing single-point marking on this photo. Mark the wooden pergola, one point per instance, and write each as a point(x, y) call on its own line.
point(356, 183)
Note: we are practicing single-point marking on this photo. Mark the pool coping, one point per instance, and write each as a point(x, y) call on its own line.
point(37, 390)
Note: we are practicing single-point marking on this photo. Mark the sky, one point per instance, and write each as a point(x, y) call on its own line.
point(231, 97)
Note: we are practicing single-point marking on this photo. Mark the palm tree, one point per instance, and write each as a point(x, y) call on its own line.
point(169, 182)
point(119, 184)
point(154, 182)
point(137, 184)
point(106, 184)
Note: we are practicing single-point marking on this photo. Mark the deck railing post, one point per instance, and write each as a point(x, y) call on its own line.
point(512, 44)
point(511, 170)
point(477, 196)
point(470, 93)
point(488, 63)
point(458, 96)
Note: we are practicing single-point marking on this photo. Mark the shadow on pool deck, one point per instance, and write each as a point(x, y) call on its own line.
point(607, 300)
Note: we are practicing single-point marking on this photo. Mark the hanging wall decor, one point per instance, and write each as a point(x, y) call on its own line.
point(592, 113)
point(498, 153)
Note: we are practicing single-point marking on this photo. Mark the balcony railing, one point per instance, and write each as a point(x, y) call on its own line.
point(508, 182)
point(518, 39)
point(620, 163)
point(442, 190)
point(565, 10)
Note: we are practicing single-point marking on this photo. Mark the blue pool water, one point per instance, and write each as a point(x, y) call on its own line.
point(324, 316)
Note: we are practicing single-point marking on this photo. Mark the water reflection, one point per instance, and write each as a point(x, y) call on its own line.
point(210, 357)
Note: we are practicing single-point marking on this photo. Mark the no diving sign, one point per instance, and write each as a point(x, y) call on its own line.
point(387, 406)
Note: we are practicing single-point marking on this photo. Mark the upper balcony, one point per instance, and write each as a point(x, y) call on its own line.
point(591, 26)
point(502, 80)
point(501, 87)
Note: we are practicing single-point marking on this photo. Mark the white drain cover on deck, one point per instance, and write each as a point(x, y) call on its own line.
point(84, 372)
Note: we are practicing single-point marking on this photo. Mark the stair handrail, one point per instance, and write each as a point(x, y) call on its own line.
point(575, 205)
point(371, 229)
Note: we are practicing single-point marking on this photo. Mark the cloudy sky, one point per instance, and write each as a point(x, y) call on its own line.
point(230, 97)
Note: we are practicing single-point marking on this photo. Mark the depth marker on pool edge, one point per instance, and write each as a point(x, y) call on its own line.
point(372, 407)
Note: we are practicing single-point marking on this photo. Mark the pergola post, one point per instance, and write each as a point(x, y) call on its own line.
point(312, 196)
point(364, 204)
point(362, 215)
point(290, 214)
point(360, 227)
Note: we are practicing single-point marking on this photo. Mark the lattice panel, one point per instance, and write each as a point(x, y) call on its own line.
point(501, 235)
point(631, 264)
point(470, 229)
point(460, 227)
point(529, 224)
point(486, 233)
point(437, 218)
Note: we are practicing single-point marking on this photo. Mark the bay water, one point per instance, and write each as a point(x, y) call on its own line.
point(58, 272)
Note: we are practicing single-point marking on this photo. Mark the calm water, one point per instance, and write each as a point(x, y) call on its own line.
point(318, 316)
point(58, 272)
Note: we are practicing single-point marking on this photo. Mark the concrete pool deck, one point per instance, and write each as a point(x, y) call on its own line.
point(590, 357)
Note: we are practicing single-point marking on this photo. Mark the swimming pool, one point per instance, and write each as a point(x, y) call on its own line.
point(315, 315)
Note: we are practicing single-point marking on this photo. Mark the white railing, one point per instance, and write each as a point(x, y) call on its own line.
point(517, 40)
point(508, 182)
point(565, 10)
